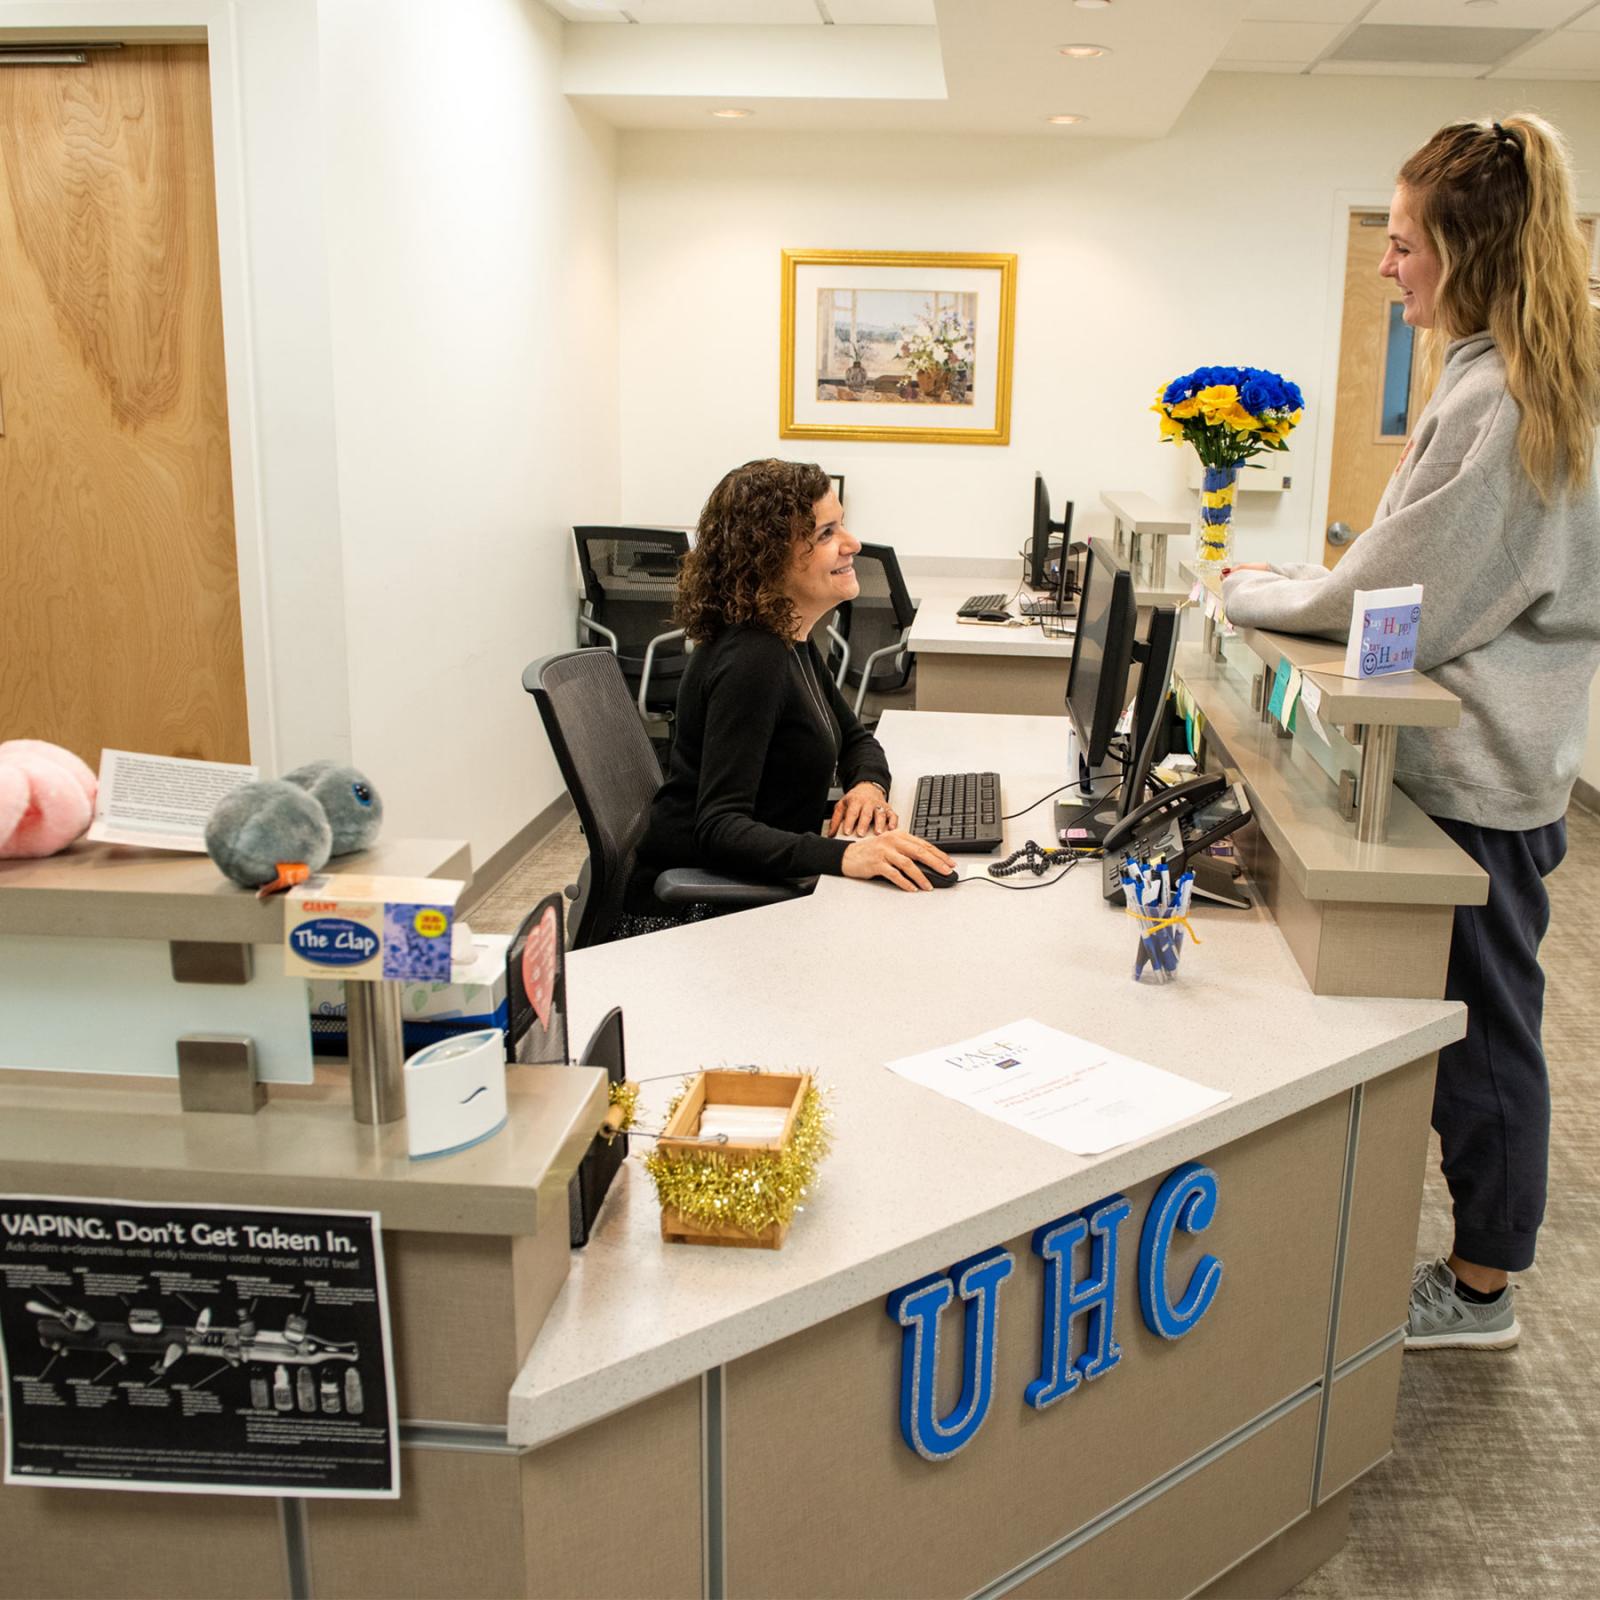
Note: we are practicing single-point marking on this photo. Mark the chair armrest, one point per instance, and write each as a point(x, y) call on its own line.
point(600, 628)
point(649, 663)
point(844, 655)
point(894, 648)
point(683, 886)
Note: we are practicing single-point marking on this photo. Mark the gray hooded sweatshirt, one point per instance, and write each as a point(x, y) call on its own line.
point(1510, 602)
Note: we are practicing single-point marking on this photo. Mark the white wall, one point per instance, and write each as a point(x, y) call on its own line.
point(1137, 262)
point(471, 226)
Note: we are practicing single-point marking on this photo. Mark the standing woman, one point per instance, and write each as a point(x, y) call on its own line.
point(761, 726)
point(1495, 510)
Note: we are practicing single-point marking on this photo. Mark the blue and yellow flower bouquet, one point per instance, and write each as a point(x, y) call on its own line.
point(1228, 414)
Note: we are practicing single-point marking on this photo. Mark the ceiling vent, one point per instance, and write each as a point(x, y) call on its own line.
point(1453, 47)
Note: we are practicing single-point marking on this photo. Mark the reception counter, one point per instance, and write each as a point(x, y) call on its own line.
point(663, 1420)
point(771, 1384)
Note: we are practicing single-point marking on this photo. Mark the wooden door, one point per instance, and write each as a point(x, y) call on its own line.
point(119, 594)
point(1379, 394)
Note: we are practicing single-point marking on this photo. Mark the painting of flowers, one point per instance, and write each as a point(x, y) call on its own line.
point(897, 345)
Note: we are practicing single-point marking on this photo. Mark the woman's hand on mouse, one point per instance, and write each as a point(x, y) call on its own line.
point(897, 856)
point(865, 809)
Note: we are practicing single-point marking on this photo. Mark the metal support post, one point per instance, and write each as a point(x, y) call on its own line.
point(377, 1051)
point(1377, 781)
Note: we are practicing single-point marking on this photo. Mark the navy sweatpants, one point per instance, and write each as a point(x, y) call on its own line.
point(1491, 1102)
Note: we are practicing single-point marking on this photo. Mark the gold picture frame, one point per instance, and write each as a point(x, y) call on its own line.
point(926, 334)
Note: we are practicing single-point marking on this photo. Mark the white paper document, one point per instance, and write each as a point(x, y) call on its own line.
point(160, 802)
point(1060, 1088)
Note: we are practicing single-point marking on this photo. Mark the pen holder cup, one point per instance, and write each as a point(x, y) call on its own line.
point(1161, 938)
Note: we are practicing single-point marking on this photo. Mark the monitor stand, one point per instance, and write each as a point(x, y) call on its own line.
point(1081, 828)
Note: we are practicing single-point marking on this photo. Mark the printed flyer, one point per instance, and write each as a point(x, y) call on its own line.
point(197, 1349)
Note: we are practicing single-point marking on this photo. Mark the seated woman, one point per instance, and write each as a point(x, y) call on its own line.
point(761, 726)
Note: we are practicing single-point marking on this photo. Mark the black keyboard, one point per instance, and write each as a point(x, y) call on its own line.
point(974, 604)
point(1049, 609)
point(959, 811)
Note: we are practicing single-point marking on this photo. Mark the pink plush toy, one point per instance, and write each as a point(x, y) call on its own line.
point(46, 797)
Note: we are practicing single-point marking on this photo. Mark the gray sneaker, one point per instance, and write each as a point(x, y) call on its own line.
point(1441, 1320)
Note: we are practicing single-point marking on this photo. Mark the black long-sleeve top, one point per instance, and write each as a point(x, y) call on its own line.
point(760, 729)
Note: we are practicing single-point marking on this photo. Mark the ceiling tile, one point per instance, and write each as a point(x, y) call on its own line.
point(1588, 22)
point(1341, 13)
point(1535, 14)
point(1300, 42)
point(573, 11)
point(1414, 45)
point(882, 13)
point(1397, 69)
point(1562, 52)
point(725, 13)
point(1260, 66)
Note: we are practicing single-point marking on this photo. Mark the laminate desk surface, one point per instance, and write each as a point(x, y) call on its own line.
point(860, 973)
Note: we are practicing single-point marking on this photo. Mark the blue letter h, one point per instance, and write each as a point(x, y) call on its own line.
point(1065, 1299)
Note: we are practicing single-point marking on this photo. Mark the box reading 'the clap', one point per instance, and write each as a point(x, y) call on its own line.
point(369, 927)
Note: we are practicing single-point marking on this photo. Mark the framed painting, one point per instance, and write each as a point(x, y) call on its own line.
point(897, 344)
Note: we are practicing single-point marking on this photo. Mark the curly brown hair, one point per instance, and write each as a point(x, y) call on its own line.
point(743, 546)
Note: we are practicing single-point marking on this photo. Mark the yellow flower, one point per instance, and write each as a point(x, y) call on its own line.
point(1170, 429)
point(1186, 408)
point(1218, 398)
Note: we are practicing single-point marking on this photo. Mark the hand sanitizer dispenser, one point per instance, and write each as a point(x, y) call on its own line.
point(456, 1093)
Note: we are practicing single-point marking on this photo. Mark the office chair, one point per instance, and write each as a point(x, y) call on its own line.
point(874, 627)
point(630, 581)
point(603, 1160)
point(611, 772)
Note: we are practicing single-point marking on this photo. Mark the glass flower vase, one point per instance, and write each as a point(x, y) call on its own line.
point(1216, 514)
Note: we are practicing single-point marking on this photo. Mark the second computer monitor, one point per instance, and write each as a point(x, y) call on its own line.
point(1102, 649)
point(1046, 561)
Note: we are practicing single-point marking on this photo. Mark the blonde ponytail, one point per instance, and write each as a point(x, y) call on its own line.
point(1498, 206)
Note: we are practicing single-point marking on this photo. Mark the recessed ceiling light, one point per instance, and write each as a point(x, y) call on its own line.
point(1084, 52)
point(1066, 117)
point(731, 112)
point(1484, 3)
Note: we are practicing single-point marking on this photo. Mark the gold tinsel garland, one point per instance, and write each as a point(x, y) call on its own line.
point(749, 1192)
point(625, 1096)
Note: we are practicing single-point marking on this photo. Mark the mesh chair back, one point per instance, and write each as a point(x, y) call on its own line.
point(609, 768)
point(879, 615)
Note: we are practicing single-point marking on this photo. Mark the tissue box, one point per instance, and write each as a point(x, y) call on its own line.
point(356, 926)
point(473, 998)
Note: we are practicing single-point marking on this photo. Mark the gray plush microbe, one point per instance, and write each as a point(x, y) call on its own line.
point(261, 824)
point(350, 798)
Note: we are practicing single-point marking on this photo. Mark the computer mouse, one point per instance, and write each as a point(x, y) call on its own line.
point(941, 880)
point(992, 616)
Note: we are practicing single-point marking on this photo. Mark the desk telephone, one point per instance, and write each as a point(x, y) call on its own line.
point(1178, 824)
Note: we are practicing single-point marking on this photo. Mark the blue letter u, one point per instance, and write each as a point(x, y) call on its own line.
point(918, 1308)
point(1187, 1200)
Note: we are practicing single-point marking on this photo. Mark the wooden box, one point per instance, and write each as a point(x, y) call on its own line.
point(713, 1088)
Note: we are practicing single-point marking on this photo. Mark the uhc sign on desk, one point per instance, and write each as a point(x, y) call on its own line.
point(1187, 1200)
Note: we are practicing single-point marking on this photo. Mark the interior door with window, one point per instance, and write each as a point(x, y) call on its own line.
point(1379, 393)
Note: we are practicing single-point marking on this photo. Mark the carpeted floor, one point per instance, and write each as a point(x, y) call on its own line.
point(1491, 1488)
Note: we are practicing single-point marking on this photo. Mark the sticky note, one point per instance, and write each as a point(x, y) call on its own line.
point(1280, 687)
point(1212, 604)
point(1196, 592)
point(1311, 695)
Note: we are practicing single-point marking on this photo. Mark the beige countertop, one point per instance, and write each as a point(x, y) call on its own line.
point(128, 1139)
point(103, 891)
point(860, 973)
point(1416, 864)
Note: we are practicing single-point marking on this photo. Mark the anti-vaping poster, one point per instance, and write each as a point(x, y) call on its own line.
point(198, 1349)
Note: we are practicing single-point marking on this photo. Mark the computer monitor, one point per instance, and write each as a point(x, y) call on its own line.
point(1102, 649)
point(1155, 654)
point(1046, 561)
